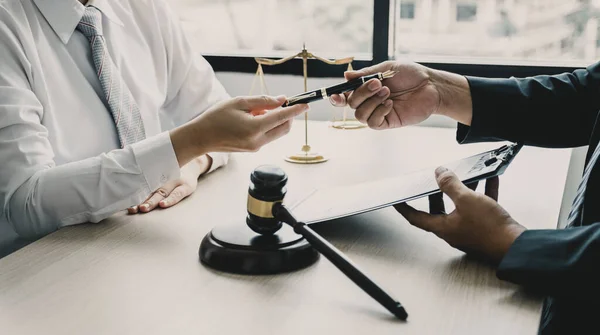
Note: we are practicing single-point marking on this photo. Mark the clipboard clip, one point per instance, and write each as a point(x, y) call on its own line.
point(504, 154)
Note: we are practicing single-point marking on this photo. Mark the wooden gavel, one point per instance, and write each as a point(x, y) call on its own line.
point(266, 215)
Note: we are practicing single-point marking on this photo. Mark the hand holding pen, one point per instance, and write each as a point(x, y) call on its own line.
point(407, 98)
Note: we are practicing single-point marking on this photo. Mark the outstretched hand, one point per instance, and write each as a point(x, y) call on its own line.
point(241, 124)
point(477, 226)
point(408, 98)
point(244, 124)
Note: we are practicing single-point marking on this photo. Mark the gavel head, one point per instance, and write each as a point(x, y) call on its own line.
point(267, 187)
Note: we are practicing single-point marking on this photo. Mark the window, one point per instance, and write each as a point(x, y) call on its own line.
point(466, 12)
point(477, 37)
point(329, 28)
point(522, 32)
point(407, 10)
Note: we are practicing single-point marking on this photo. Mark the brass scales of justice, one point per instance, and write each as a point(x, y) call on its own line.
point(306, 155)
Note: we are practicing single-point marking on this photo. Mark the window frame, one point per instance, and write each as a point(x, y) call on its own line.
point(380, 53)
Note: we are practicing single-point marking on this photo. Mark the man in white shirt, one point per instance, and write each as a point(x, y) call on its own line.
point(104, 107)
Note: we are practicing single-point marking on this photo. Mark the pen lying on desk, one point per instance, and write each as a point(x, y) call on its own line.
point(326, 92)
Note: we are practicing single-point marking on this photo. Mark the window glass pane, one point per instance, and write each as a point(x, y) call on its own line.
point(407, 10)
point(330, 28)
point(466, 12)
point(552, 32)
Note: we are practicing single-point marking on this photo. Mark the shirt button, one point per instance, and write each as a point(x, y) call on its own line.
point(163, 178)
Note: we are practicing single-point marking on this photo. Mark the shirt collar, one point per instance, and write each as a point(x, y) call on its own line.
point(64, 16)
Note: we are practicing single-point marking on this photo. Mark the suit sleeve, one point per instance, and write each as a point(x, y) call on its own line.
point(547, 111)
point(563, 263)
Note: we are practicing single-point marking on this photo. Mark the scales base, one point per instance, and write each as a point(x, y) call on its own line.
point(348, 124)
point(306, 156)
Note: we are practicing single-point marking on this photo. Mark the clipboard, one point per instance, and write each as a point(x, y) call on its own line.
point(343, 201)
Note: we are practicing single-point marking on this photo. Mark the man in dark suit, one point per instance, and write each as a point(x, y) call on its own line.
point(547, 111)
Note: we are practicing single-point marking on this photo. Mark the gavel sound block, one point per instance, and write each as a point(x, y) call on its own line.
point(268, 247)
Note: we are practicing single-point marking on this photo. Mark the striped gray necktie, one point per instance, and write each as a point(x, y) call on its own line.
point(124, 110)
point(575, 214)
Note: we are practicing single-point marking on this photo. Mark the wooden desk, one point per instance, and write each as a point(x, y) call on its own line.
point(141, 275)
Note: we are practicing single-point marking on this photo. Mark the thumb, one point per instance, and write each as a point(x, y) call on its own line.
point(260, 102)
point(274, 118)
point(450, 184)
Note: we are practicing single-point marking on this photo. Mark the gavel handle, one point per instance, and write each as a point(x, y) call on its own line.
point(341, 262)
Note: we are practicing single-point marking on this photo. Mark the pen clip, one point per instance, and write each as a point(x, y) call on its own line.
point(503, 154)
point(507, 153)
point(501, 149)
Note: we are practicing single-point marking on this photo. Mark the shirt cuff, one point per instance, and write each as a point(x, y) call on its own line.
point(218, 159)
point(157, 160)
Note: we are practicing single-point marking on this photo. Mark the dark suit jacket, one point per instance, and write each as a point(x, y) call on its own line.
point(550, 111)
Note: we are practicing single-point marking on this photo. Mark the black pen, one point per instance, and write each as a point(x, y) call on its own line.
point(326, 92)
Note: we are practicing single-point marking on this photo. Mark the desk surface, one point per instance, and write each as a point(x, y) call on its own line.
point(141, 275)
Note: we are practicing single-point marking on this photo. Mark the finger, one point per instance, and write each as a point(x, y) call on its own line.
point(179, 193)
point(377, 119)
point(392, 120)
point(258, 112)
point(381, 67)
point(277, 117)
point(364, 92)
point(152, 202)
point(339, 100)
point(473, 185)
point(136, 209)
point(366, 109)
point(277, 132)
point(436, 203)
point(450, 184)
point(419, 219)
point(349, 75)
point(259, 102)
point(492, 187)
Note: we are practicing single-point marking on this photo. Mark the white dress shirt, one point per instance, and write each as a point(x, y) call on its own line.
point(60, 162)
